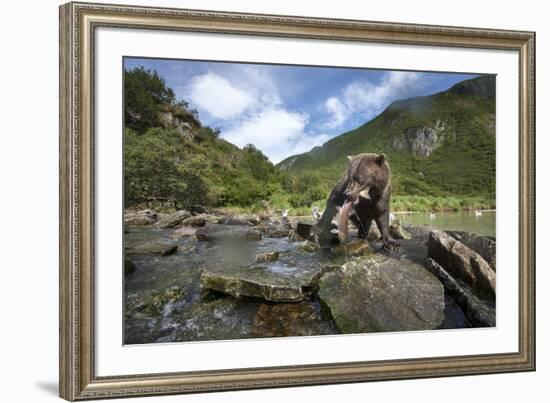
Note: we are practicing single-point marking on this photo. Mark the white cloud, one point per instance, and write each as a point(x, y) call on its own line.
point(305, 143)
point(276, 131)
point(260, 84)
point(218, 97)
point(247, 103)
point(366, 99)
point(338, 111)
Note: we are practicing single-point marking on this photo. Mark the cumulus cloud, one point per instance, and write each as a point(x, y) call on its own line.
point(338, 111)
point(276, 131)
point(365, 99)
point(217, 96)
point(260, 84)
point(247, 103)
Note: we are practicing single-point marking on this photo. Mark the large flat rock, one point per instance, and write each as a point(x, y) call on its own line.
point(161, 248)
point(381, 294)
point(173, 220)
point(273, 282)
point(142, 217)
point(226, 232)
point(239, 219)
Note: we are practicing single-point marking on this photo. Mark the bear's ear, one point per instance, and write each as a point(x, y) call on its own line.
point(380, 159)
point(350, 157)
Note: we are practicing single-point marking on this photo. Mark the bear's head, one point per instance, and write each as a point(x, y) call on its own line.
point(365, 172)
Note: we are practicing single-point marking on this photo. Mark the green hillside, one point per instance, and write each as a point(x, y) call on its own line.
point(441, 145)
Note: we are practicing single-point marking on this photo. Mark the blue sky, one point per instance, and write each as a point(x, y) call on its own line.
point(287, 110)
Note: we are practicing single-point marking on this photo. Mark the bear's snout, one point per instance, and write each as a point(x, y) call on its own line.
point(349, 195)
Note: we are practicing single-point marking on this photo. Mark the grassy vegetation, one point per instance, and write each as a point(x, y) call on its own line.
point(398, 204)
point(434, 203)
point(164, 168)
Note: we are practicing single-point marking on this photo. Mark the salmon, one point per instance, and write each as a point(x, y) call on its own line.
point(343, 221)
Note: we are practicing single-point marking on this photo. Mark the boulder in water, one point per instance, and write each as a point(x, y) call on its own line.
point(221, 232)
point(195, 221)
point(239, 219)
point(267, 257)
point(478, 312)
point(183, 232)
point(153, 304)
point(421, 232)
point(160, 248)
point(308, 246)
point(271, 282)
point(485, 247)
point(398, 232)
point(253, 235)
point(276, 231)
point(198, 209)
point(173, 220)
point(381, 294)
point(142, 217)
point(294, 319)
point(462, 263)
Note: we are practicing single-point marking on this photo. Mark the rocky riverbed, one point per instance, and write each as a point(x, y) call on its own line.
point(213, 276)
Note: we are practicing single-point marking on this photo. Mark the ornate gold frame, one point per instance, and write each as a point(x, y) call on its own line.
point(78, 21)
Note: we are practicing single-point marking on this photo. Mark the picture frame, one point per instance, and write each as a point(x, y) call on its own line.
point(78, 163)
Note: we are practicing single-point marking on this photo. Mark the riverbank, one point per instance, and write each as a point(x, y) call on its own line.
point(413, 204)
point(437, 204)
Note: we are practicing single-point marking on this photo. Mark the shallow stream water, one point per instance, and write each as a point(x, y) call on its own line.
point(165, 303)
point(197, 314)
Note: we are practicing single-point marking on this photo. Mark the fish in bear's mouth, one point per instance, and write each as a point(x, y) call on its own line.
point(346, 210)
point(363, 193)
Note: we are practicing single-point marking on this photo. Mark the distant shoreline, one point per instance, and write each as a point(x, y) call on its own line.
point(414, 212)
point(445, 211)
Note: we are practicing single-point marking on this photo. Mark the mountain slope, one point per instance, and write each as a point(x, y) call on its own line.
point(438, 145)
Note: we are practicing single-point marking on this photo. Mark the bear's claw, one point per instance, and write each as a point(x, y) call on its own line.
point(392, 245)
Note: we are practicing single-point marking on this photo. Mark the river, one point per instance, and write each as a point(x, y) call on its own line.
point(165, 301)
point(484, 224)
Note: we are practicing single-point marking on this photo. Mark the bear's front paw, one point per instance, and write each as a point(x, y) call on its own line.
point(391, 244)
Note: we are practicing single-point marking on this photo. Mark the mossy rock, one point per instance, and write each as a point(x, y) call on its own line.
point(382, 294)
point(398, 232)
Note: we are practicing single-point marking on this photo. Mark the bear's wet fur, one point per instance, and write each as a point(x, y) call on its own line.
point(367, 182)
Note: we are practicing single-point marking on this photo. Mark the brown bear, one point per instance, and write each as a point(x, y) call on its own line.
point(366, 183)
